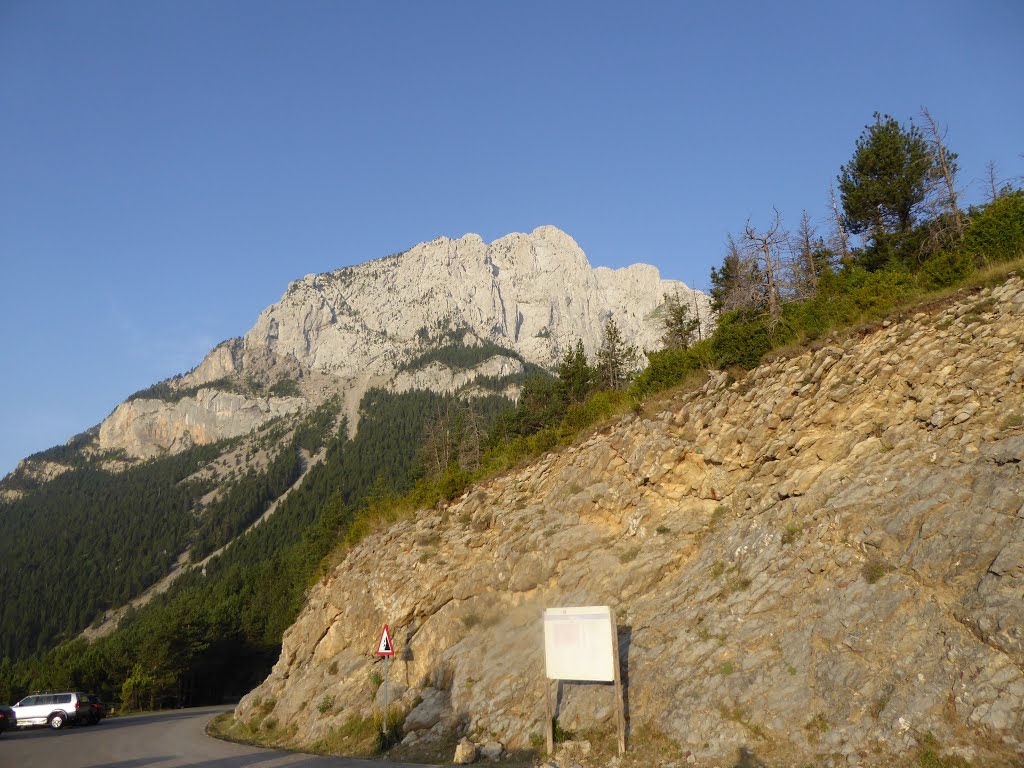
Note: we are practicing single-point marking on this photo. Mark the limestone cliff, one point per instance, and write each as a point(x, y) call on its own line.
point(824, 559)
point(147, 428)
point(532, 294)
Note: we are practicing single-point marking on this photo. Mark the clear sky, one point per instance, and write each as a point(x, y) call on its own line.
point(166, 168)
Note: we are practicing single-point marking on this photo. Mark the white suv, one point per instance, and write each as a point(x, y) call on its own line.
point(53, 709)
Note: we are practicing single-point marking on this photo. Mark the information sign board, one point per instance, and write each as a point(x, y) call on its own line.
point(578, 643)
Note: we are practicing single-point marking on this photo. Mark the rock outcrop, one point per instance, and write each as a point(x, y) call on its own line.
point(533, 294)
point(823, 559)
point(148, 428)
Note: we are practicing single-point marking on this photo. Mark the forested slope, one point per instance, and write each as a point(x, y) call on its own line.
point(218, 629)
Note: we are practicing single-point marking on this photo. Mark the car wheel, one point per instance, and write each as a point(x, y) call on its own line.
point(56, 721)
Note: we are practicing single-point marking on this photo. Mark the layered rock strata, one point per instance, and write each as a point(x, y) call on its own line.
point(824, 559)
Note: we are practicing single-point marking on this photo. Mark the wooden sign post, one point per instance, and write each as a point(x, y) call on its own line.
point(582, 644)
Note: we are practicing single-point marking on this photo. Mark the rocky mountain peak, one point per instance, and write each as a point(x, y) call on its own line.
point(533, 294)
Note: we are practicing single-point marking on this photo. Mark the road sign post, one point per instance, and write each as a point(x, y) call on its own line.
point(386, 649)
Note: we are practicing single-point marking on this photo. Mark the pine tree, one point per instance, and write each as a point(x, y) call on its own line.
point(616, 360)
point(681, 327)
point(888, 178)
point(575, 374)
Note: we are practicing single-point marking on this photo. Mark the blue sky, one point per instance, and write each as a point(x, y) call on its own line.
point(166, 168)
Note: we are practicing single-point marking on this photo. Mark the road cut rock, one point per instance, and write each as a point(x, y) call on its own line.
point(795, 573)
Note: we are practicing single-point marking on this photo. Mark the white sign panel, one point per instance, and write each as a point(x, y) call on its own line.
point(578, 643)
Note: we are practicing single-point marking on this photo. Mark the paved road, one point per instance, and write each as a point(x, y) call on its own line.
point(161, 740)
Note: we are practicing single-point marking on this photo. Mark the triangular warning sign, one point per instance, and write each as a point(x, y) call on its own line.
point(385, 647)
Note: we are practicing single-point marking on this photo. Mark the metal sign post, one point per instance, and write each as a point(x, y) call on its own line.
point(386, 649)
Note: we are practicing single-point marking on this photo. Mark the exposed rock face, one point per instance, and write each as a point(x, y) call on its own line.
point(148, 428)
point(535, 294)
point(824, 558)
point(439, 378)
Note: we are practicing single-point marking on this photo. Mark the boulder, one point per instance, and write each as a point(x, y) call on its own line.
point(465, 752)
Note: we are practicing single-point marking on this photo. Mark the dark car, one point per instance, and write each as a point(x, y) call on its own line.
point(8, 719)
point(97, 709)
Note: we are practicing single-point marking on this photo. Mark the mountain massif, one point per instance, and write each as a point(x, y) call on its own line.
point(822, 559)
point(521, 299)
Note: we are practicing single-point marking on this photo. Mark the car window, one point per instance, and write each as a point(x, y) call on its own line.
point(62, 698)
point(28, 701)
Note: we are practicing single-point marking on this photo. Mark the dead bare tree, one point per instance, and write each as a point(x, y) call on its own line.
point(440, 440)
point(696, 316)
point(840, 232)
point(947, 167)
point(766, 247)
point(992, 181)
point(996, 187)
point(737, 284)
point(473, 433)
point(804, 266)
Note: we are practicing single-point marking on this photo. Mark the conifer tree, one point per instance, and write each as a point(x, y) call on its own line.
point(575, 374)
point(681, 326)
point(888, 178)
point(616, 360)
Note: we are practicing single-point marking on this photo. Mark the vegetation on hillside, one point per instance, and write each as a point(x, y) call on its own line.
point(87, 541)
point(216, 632)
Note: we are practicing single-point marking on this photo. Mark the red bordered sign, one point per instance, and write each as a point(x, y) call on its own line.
point(385, 647)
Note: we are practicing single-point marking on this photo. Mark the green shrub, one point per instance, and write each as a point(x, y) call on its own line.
point(453, 482)
point(285, 387)
point(944, 270)
point(878, 292)
point(668, 367)
point(996, 232)
point(560, 733)
point(600, 406)
point(740, 340)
